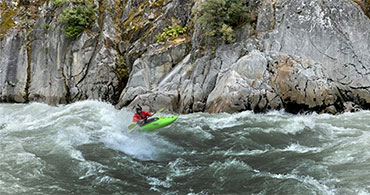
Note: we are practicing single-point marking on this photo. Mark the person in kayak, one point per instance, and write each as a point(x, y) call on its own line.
point(140, 116)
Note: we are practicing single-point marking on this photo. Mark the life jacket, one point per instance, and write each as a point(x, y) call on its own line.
point(141, 115)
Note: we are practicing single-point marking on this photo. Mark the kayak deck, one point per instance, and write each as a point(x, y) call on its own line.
point(158, 122)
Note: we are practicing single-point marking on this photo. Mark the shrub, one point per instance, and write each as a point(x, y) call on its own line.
point(45, 27)
point(171, 32)
point(227, 33)
point(6, 18)
point(221, 17)
point(59, 2)
point(121, 69)
point(78, 17)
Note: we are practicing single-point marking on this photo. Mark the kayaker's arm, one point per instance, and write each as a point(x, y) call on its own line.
point(147, 114)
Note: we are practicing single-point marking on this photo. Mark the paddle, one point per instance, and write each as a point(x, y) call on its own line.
point(134, 124)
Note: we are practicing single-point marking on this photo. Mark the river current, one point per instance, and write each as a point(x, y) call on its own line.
point(86, 148)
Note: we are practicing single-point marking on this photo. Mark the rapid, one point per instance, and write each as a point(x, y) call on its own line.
point(86, 148)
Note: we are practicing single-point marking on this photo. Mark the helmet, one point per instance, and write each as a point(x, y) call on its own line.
point(138, 108)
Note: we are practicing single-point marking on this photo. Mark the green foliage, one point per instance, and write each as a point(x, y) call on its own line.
point(45, 26)
point(171, 32)
point(59, 3)
point(78, 18)
point(227, 33)
point(6, 16)
point(221, 17)
point(121, 69)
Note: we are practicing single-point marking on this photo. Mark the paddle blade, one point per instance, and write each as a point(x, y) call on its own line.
point(132, 126)
point(160, 110)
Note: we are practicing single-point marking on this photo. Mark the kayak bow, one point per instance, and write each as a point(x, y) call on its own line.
point(158, 122)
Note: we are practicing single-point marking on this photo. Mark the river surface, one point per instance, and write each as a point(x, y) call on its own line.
point(86, 148)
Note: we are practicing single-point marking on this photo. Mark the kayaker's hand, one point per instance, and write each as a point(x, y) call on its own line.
point(140, 122)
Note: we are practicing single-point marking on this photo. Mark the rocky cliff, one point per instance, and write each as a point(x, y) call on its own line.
point(295, 55)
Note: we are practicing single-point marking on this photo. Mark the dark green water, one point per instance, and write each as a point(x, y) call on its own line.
point(85, 148)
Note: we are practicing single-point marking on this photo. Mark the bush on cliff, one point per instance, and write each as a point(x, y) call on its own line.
point(171, 32)
point(78, 18)
point(6, 18)
point(59, 2)
point(222, 17)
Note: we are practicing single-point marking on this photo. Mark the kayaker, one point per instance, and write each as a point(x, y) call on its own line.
point(140, 116)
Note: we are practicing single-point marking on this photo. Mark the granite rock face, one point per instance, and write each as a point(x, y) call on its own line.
point(13, 69)
point(299, 56)
point(42, 64)
point(331, 40)
point(309, 55)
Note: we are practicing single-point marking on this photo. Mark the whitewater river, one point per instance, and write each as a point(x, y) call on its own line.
point(86, 148)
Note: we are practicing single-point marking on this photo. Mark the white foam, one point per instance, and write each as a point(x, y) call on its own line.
point(155, 183)
point(362, 192)
point(141, 145)
point(230, 163)
point(300, 149)
point(61, 130)
point(135, 146)
point(240, 153)
point(307, 180)
point(85, 122)
point(108, 180)
point(180, 168)
point(89, 169)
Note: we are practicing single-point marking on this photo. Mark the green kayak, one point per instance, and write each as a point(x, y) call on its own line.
point(158, 122)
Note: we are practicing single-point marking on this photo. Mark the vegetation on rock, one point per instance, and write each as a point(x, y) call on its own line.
point(59, 2)
point(222, 17)
point(171, 32)
point(6, 17)
point(121, 69)
point(78, 17)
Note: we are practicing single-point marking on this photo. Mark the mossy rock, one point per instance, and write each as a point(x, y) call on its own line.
point(121, 69)
point(7, 14)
